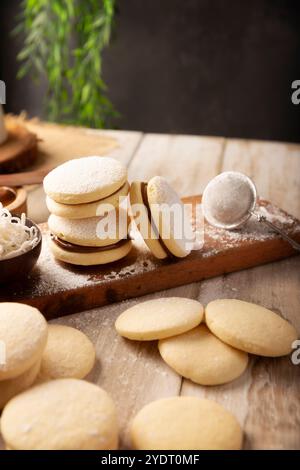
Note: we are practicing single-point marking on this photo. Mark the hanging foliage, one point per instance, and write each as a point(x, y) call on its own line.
point(64, 43)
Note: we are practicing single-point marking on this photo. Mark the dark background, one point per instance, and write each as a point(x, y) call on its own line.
point(194, 66)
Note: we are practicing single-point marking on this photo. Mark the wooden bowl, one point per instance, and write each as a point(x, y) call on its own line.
point(20, 149)
point(14, 199)
point(19, 266)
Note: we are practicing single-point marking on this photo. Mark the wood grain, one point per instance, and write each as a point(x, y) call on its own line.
point(131, 371)
point(266, 398)
point(20, 149)
point(172, 156)
point(274, 167)
point(139, 273)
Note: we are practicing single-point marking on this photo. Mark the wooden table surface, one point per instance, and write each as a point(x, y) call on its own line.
point(266, 399)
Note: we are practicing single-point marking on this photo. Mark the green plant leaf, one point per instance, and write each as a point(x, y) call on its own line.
point(76, 90)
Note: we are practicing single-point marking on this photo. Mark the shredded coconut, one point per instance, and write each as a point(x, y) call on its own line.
point(15, 237)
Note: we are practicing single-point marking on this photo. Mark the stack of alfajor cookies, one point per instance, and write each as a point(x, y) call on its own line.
point(88, 226)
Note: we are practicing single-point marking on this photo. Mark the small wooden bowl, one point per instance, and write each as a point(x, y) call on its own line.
point(19, 266)
point(14, 199)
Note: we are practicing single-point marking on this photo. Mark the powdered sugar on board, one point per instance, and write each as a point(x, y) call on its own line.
point(49, 278)
point(218, 240)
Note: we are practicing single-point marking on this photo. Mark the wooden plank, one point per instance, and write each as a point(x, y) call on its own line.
point(131, 371)
point(57, 288)
point(188, 162)
point(266, 398)
point(274, 167)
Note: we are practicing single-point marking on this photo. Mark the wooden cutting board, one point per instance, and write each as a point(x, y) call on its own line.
point(20, 149)
point(59, 289)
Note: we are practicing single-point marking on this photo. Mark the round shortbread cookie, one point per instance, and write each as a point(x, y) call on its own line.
point(159, 318)
point(12, 387)
point(250, 327)
point(64, 414)
point(93, 258)
point(92, 231)
point(185, 423)
point(170, 217)
point(23, 331)
point(69, 353)
point(89, 209)
point(85, 179)
point(141, 217)
point(200, 356)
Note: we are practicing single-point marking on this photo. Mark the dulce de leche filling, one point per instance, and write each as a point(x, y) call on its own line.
point(67, 246)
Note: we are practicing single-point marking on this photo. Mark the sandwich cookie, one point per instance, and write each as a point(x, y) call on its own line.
point(250, 327)
point(185, 423)
point(69, 353)
point(200, 356)
point(89, 209)
point(161, 218)
point(23, 331)
point(89, 256)
point(64, 414)
point(159, 318)
point(84, 180)
point(90, 241)
point(93, 231)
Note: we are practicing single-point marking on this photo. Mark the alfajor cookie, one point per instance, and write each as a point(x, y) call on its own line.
point(23, 331)
point(91, 241)
point(84, 180)
point(86, 256)
point(185, 423)
point(64, 414)
point(12, 387)
point(89, 209)
point(200, 356)
point(250, 327)
point(159, 318)
point(93, 231)
point(161, 218)
point(69, 353)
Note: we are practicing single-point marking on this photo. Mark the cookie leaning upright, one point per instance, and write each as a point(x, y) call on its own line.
point(161, 218)
point(84, 195)
point(23, 332)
